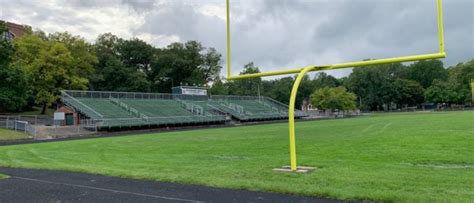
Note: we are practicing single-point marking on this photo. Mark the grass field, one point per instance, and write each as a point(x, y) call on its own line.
point(397, 157)
point(11, 135)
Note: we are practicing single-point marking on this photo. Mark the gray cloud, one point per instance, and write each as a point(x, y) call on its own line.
point(137, 5)
point(275, 34)
point(282, 34)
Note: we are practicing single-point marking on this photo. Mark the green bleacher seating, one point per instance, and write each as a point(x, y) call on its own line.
point(122, 111)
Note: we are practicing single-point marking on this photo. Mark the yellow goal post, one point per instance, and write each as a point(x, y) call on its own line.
point(303, 70)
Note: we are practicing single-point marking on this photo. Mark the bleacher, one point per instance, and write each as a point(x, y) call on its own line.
point(122, 109)
point(249, 108)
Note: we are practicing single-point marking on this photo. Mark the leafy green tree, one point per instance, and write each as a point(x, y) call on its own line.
point(137, 54)
point(461, 76)
point(308, 86)
point(6, 48)
point(176, 64)
point(305, 90)
point(322, 79)
point(13, 80)
point(281, 88)
point(211, 66)
point(51, 68)
point(440, 92)
point(456, 89)
point(83, 53)
point(134, 65)
point(248, 86)
point(425, 72)
point(120, 65)
point(13, 88)
point(118, 77)
point(407, 92)
point(187, 63)
point(333, 98)
point(219, 88)
point(372, 84)
point(107, 52)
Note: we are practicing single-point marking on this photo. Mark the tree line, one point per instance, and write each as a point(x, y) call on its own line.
point(374, 88)
point(37, 66)
point(34, 69)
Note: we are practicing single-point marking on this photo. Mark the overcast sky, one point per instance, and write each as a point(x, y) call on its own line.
point(275, 34)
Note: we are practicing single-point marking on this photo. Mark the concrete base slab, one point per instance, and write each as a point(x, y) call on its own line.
point(299, 169)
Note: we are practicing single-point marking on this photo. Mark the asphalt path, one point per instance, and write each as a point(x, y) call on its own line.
point(28, 185)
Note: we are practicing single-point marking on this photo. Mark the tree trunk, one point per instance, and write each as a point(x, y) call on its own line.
point(44, 108)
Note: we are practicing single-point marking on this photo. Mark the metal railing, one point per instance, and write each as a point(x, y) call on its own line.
point(144, 95)
point(130, 95)
point(66, 98)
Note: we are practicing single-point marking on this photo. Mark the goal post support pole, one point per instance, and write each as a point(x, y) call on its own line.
point(291, 116)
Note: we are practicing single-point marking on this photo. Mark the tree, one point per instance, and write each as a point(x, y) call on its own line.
point(51, 67)
point(219, 88)
point(460, 76)
point(118, 77)
point(308, 86)
point(106, 48)
point(322, 79)
point(211, 66)
point(137, 54)
point(372, 84)
point(121, 66)
point(333, 98)
point(6, 48)
point(440, 92)
point(305, 90)
point(280, 89)
point(248, 86)
point(13, 88)
point(83, 53)
point(187, 63)
point(13, 80)
point(456, 89)
point(134, 65)
point(407, 92)
point(426, 71)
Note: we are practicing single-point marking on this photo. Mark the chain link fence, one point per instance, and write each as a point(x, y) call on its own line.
point(42, 127)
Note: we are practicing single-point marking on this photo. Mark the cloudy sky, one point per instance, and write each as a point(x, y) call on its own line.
point(275, 34)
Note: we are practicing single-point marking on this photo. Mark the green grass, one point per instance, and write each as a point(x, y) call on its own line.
point(11, 135)
point(399, 157)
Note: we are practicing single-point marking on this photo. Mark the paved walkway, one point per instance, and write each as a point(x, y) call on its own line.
point(26, 185)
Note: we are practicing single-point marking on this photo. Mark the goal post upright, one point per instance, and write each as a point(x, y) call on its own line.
point(302, 71)
point(441, 27)
point(228, 38)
